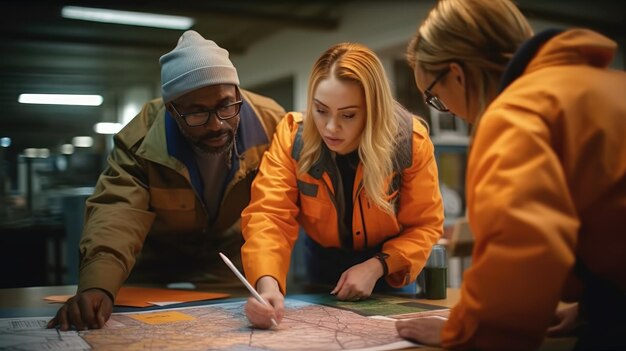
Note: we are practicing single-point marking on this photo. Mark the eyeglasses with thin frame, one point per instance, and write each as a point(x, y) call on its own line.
point(431, 99)
point(196, 119)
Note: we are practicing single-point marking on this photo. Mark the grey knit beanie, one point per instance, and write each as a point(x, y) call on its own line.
point(194, 63)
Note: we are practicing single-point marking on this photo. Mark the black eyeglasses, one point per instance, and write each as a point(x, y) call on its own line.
point(431, 99)
point(196, 119)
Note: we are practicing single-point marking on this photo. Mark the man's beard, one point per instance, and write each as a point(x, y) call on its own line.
point(201, 146)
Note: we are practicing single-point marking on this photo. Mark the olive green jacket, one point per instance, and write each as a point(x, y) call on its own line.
point(149, 200)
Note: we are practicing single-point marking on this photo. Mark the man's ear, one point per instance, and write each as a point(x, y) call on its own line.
point(457, 72)
point(168, 108)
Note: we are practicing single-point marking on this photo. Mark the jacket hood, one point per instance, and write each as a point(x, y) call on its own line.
point(575, 47)
point(554, 47)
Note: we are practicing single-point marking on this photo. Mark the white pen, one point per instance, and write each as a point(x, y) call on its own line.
point(247, 284)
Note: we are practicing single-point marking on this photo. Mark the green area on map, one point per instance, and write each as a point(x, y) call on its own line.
point(375, 305)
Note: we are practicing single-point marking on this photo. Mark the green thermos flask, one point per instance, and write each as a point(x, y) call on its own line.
point(436, 274)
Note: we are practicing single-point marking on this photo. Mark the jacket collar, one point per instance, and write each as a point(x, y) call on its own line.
point(323, 164)
point(250, 133)
point(178, 148)
point(524, 54)
point(402, 156)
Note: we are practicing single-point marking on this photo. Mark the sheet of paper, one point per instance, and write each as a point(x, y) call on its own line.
point(144, 297)
point(163, 303)
point(31, 334)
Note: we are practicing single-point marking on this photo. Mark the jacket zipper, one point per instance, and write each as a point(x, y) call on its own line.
point(358, 193)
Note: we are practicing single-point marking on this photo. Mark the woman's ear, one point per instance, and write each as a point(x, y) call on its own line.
point(458, 74)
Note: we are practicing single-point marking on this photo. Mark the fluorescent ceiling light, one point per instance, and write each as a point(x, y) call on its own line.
point(66, 149)
point(107, 127)
point(36, 153)
point(61, 99)
point(127, 17)
point(5, 142)
point(82, 141)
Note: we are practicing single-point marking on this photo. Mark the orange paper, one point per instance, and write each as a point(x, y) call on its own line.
point(143, 297)
point(162, 317)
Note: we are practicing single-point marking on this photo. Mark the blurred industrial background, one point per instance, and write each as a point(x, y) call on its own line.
point(51, 155)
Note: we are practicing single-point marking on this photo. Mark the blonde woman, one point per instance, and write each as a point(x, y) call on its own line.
point(546, 176)
point(358, 174)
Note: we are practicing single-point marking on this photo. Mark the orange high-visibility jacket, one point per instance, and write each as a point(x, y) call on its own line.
point(546, 186)
point(281, 201)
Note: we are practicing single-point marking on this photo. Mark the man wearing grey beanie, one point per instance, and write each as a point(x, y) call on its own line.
point(177, 179)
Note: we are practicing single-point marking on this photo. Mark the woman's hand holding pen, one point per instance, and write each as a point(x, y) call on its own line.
point(260, 315)
point(358, 281)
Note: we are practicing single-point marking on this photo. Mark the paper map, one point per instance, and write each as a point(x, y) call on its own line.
point(31, 334)
point(306, 326)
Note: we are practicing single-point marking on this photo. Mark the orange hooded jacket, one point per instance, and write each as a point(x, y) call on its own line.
point(546, 187)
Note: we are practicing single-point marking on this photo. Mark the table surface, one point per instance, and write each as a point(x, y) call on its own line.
point(28, 302)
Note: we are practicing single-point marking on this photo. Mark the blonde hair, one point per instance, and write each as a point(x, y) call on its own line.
point(480, 35)
point(357, 63)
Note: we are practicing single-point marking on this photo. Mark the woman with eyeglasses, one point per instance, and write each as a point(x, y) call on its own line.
point(546, 175)
point(357, 172)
